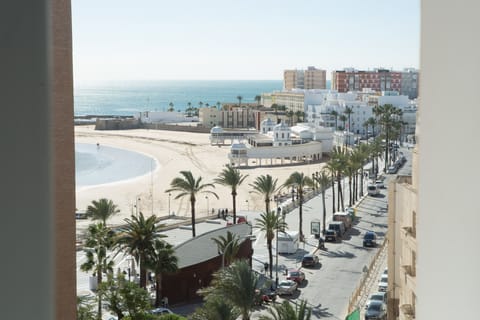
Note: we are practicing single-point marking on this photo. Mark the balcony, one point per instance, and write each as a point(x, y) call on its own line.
point(408, 311)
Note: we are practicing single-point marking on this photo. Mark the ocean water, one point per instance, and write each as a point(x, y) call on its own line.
point(129, 97)
point(101, 164)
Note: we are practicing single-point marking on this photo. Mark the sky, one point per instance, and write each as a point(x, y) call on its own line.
point(239, 40)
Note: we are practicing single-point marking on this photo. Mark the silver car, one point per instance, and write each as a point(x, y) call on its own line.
point(377, 296)
point(287, 287)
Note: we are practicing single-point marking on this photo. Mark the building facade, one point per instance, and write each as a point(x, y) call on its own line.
point(403, 82)
point(311, 78)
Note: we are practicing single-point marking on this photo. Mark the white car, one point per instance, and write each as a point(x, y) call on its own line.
point(380, 184)
point(383, 283)
point(377, 296)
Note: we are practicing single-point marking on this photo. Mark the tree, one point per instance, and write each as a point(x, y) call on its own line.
point(125, 298)
point(337, 165)
point(188, 186)
point(228, 246)
point(331, 168)
point(285, 311)
point(200, 104)
point(137, 237)
point(239, 98)
point(371, 122)
point(269, 222)
point(219, 104)
point(236, 285)
point(323, 180)
point(216, 308)
point(289, 115)
point(161, 260)
point(85, 308)
point(233, 178)
point(266, 186)
point(102, 210)
point(390, 121)
point(343, 118)
point(258, 99)
point(334, 114)
point(99, 239)
point(299, 181)
point(170, 107)
point(299, 115)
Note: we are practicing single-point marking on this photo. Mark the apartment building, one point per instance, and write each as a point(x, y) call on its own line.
point(404, 82)
point(311, 78)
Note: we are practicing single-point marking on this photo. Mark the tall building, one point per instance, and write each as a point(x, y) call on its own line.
point(312, 78)
point(404, 82)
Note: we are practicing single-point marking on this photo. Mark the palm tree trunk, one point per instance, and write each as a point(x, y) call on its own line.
point(324, 212)
point(99, 280)
point(143, 271)
point(361, 181)
point(333, 194)
point(158, 289)
point(270, 256)
point(300, 215)
point(192, 203)
point(350, 195)
point(234, 195)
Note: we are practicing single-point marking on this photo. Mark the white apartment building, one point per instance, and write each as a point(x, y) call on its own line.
point(295, 100)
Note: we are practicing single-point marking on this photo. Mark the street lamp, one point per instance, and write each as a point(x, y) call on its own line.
point(248, 205)
point(206, 197)
point(169, 195)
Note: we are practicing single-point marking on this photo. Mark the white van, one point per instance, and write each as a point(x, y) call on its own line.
point(372, 190)
point(343, 216)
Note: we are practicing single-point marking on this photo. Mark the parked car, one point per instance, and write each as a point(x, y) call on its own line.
point(379, 183)
point(286, 287)
point(377, 296)
point(383, 283)
point(296, 275)
point(338, 227)
point(330, 235)
point(392, 169)
point(376, 310)
point(309, 260)
point(370, 239)
point(344, 217)
point(372, 190)
point(161, 311)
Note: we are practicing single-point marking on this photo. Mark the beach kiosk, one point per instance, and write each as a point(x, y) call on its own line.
point(288, 242)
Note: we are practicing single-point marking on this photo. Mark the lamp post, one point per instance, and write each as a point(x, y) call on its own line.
point(206, 197)
point(169, 195)
point(136, 205)
point(248, 205)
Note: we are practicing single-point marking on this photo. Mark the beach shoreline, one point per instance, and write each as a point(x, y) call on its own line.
point(174, 151)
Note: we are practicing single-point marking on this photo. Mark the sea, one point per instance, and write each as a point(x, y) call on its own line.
point(126, 98)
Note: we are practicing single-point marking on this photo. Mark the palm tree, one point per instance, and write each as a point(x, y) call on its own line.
point(99, 239)
point(219, 104)
point(137, 237)
point(170, 107)
point(299, 181)
point(161, 260)
point(334, 114)
point(299, 115)
point(289, 115)
point(200, 104)
point(236, 285)
point(239, 98)
point(348, 112)
point(390, 119)
point(323, 180)
point(233, 178)
point(266, 186)
point(216, 308)
point(337, 163)
point(331, 169)
point(258, 99)
point(188, 186)
point(285, 311)
point(343, 118)
point(270, 222)
point(228, 246)
point(371, 122)
point(102, 210)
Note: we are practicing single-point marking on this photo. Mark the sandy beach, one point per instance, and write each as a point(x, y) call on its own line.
point(174, 151)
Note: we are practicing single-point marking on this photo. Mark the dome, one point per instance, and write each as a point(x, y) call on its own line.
point(216, 129)
point(268, 122)
point(282, 126)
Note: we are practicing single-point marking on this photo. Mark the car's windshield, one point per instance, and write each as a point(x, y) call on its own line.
point(369, 236)
point(294, 274)
point(375, 307)
point(377, 297)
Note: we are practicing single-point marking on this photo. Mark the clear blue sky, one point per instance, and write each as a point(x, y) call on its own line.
point(248, 39)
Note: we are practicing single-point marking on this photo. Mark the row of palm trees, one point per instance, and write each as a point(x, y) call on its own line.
point(139, 237)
